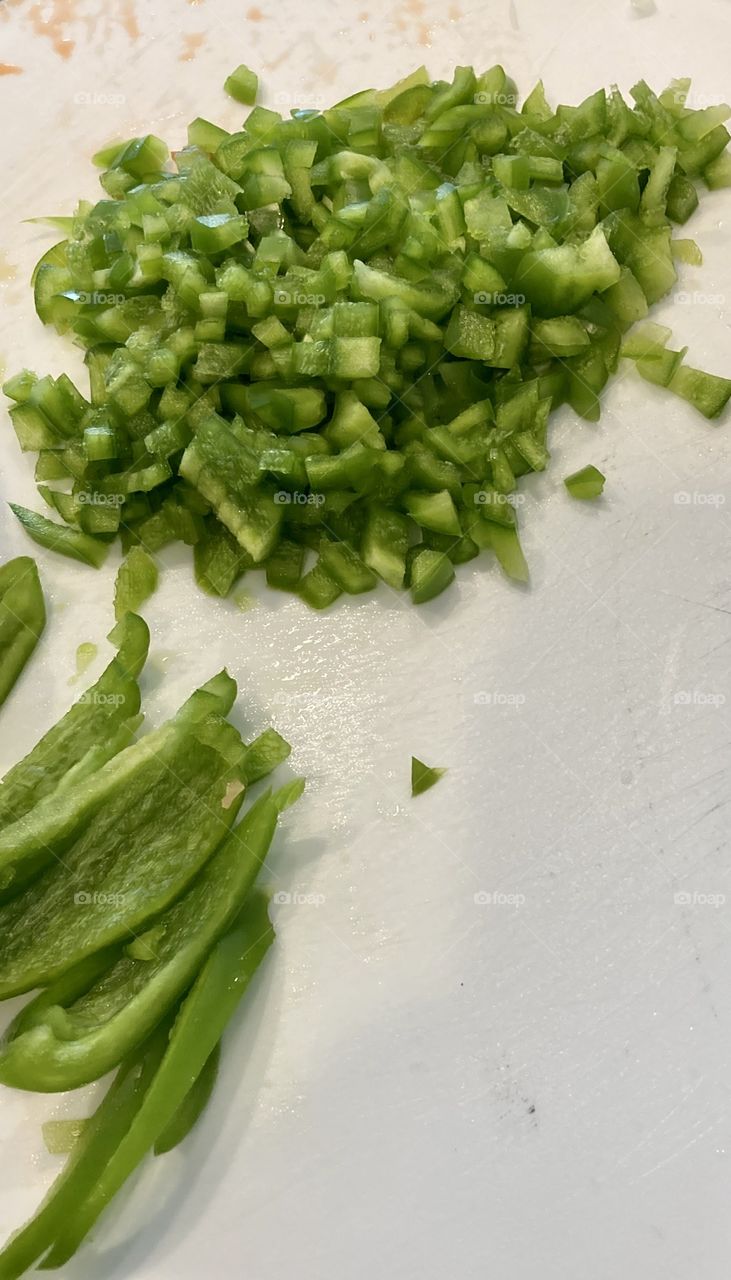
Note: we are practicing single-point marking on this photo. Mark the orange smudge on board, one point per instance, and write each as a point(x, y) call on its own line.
point(415, 7)
point(50, 20)
point(424, 34)
point(326, 70)
point(191, 45)
point(364, 16)
point(129, 20)
point(455, 13)
point(9, 69)
point(255, 15)
point(277, 62)
point(53, 18)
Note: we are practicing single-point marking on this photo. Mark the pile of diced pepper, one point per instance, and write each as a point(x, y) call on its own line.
point(328, 346)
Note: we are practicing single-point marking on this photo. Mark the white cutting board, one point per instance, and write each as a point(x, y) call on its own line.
point(427, 1085)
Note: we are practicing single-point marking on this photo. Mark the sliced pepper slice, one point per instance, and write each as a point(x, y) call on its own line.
point(89, 1157)
point(69, 1046)
point(192, 1107)
point(197, 1030)
point(22, 620)
point(119, 846)
point(73, 543)
point(135, 582)
point(92, 731)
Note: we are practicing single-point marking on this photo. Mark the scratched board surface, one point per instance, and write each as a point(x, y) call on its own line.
point(494, 1037)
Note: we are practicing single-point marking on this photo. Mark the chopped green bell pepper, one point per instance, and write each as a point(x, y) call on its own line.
point(586, 483)
point(136, 580)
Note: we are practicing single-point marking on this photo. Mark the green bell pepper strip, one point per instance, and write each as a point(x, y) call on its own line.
point(346, 567)
point(385, 543)
point(423, 776)
point(706, 392)
point(557, 281)
point(562, 336)
point(192, 1107)
point(56, 537)
point(648, 340)
point(100, 1139)
point(431, 573)
point(135, 582)
point(682, 199)
point(687, 251)
point(242, 85)
point(434, 511)
point(318, 587)
point(586, 483)
point(22, 620)
point(507, 548)
point(88, 734)
point(717, 174)
point(659, 369)
point(219, 560)
point(284, 566)
point(119, 846)
point(64, 991)
point(61, 1136)
point(227, 474)
point(197, 1030)
point(69, 1046)
point(264, 754)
